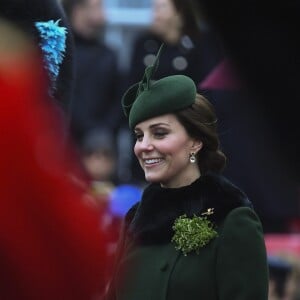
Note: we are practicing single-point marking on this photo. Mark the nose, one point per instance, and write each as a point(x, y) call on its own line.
point(144, 145)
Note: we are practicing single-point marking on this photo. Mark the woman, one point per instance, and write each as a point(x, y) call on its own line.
point(190, 49)
point(193, 235)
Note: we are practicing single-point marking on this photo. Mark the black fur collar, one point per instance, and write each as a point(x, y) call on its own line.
point(151, 220)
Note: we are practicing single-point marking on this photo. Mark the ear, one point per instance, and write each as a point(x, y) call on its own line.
point(196, 146)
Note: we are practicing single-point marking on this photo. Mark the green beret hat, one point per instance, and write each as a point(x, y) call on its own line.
point(147, 98)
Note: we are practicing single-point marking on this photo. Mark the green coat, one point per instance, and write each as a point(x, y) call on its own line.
point(232, 266)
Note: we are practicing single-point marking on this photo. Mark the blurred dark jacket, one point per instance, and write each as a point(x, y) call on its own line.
point(95, 102)
point(191, 56)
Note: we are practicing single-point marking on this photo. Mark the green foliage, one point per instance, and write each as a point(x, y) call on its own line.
point(192, 233)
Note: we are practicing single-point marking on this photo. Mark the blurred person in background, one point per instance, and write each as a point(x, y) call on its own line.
point(191, 48)
point(99, 160)
point(104, 192)
point(53, 246)
point(95, 102)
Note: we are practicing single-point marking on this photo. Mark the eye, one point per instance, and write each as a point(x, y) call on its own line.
point(138, 136)
point(160, 134)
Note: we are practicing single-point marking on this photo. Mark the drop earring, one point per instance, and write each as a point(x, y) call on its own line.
point(192, 158)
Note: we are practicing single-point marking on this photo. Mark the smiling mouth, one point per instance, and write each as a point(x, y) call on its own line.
point(152, 161)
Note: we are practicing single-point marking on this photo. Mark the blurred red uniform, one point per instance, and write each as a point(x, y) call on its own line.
point(51, 243)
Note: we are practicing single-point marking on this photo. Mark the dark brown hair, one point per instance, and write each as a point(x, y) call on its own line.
point(200, 122)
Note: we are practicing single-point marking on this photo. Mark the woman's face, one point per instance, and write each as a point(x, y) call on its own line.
point(163, 148)
point(88, 18)
point(166, 20)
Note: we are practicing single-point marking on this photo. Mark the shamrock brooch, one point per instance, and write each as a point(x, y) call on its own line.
point(191, 234)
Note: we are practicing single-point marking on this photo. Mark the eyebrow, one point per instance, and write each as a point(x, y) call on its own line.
point(159, 124)
point(155, 125)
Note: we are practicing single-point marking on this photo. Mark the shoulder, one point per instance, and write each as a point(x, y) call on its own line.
point(222, 195)
point(242, 220)
point(241, 232)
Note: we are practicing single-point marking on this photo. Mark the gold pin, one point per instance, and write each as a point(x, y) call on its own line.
point(209, 211)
